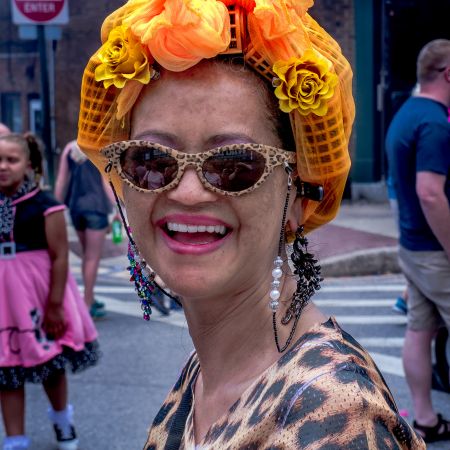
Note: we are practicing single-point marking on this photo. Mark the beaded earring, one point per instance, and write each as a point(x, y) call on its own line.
point(143, 278)
point(308, 277)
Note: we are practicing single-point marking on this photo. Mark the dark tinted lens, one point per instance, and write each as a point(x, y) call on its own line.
point(234, 170)
point(147, 167)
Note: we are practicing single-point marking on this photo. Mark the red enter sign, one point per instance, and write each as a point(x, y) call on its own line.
point(40, 10)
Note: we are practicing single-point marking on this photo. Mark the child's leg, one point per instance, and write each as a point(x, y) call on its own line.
point(56, 390)
point(60, 412)
point(13, 411)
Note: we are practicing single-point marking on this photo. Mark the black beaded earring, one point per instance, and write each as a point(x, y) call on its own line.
point(308, 277)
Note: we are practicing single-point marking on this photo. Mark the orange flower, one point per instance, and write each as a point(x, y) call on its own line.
point(139, 14)
point(185, 32)
point(305, 84)
point(277, 30)
point(301, 6)
point(274, 18)
point(122, 58)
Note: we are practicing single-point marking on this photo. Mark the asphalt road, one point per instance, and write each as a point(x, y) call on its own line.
point(116, 401)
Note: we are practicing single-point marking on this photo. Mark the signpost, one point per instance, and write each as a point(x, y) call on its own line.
point(41, 14)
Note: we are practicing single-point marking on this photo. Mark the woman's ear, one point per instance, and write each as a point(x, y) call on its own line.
point(295, 213)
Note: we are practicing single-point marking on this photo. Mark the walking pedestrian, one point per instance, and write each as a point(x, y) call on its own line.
point(44, 323)
point(259, 89)
point(418, 148)
point(80, 187)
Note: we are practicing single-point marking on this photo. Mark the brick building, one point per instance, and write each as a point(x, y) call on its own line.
point(365, 29)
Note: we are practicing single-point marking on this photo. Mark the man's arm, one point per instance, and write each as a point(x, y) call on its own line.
point(435, 206)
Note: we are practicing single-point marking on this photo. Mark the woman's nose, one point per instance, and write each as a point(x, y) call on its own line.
point(190, 190)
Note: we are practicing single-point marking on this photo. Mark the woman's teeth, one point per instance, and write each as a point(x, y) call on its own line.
point(183, 228)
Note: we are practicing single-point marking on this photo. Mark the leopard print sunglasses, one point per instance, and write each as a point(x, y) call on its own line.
point(228, 170)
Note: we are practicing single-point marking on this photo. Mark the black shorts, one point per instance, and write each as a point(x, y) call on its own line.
point(89, 220)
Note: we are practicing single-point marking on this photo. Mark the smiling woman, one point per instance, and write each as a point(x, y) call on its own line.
point(241, 111)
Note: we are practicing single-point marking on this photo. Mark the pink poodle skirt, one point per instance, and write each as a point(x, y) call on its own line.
point(26, 352)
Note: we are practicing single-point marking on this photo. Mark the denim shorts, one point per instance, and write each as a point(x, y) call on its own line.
point(89, 220)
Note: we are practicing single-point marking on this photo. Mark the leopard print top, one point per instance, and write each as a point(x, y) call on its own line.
point(324, 393)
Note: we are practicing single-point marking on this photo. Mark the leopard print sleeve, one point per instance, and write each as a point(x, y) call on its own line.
point(341, 409)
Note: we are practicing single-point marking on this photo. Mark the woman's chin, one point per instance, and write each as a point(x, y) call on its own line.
point(190, 285)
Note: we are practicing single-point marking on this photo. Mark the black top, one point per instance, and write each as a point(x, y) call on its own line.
point(85, 193)
point(29, 220)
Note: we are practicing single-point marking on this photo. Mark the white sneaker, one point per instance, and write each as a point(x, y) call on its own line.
point(16, 443)
point(66, 441)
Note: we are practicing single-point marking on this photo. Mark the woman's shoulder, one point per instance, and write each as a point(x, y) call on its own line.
point(329, 355)
point(330, 390)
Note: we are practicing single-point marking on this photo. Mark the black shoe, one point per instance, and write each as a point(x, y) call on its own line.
point(66, 441)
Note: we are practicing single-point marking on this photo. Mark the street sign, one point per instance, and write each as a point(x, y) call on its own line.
point(40, 12)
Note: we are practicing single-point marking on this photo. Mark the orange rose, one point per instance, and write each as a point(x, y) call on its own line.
point(305, 84)
point(185, 32)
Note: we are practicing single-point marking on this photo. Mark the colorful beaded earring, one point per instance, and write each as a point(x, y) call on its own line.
point(143, 278)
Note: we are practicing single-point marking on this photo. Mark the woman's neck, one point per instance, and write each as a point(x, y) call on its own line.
point(236, 344)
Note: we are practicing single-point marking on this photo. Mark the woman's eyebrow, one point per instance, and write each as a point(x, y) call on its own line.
point(162, 137)
point(228, 138)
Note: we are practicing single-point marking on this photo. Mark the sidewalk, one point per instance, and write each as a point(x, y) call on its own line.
point(362, 240)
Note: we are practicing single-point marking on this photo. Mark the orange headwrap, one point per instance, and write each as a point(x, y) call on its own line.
point(277, 38)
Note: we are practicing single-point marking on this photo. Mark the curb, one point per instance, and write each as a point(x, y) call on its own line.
point(376, 261)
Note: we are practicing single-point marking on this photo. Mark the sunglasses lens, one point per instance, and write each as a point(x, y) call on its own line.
point(149, 167)
point(234, 170)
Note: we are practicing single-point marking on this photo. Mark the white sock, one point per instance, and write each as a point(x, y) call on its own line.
point(63, 419)
point(19, 442)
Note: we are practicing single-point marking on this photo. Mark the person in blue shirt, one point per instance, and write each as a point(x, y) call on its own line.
point(418, 149)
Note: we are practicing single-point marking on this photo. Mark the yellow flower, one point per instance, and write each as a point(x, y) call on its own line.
point(305, 83)
point(122, 58)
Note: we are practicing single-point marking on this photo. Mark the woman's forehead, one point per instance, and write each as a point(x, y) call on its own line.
point(206, 79)
point(209, 96)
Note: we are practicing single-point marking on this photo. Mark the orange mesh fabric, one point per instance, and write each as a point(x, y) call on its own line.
point(264, 32)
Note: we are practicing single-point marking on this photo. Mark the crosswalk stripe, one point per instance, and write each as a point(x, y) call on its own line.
point(388, 364)
point(371, 320)
point(365, 288)
point(133, 309)
point(340, 303)
point(118, 306)
point(390, 342)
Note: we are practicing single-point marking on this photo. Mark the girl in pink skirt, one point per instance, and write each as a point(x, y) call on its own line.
point(44, 323)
